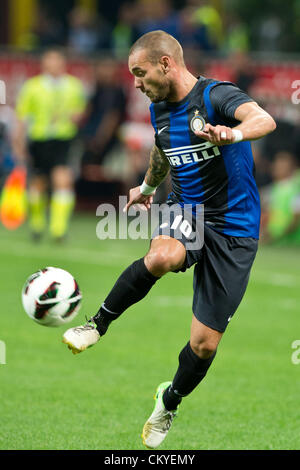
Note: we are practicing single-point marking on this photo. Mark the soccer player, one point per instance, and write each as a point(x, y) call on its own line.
point(48, 109)
point(202, 133)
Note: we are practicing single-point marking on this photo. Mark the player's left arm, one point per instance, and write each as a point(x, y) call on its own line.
point(255, 123)
point(158, 169)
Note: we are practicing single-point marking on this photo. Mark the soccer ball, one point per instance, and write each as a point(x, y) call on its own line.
point(51, 297)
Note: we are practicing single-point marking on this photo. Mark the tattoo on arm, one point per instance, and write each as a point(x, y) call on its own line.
point(158, 167)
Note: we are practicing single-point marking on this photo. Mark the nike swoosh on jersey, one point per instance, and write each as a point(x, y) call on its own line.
point(162, 129)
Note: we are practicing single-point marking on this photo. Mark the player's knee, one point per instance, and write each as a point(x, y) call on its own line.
point(161, 261)
point(203, 347)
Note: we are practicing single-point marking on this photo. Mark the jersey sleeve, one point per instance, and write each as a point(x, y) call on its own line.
point(226, 98)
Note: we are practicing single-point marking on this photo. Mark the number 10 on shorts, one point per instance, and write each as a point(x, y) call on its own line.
point(190, 224)
point(183, 224)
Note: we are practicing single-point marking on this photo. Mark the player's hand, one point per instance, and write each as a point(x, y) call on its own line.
point(140, 200)
point(218, 135)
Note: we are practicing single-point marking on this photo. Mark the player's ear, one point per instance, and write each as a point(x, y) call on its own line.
point(165, 63)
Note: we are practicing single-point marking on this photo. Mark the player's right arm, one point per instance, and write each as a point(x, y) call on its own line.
point(158, 169)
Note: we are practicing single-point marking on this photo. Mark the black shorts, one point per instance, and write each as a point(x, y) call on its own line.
point(45, 155)
point(221, 273)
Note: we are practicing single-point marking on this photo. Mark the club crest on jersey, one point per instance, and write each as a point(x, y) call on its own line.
point(197, 122)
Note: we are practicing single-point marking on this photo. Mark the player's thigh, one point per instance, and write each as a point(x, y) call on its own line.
point(204, 340)
point(165, 254)
point(62, 177)
point(185, 231)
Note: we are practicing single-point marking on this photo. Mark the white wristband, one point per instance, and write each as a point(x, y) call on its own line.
point(146, 189)
point(238, 135)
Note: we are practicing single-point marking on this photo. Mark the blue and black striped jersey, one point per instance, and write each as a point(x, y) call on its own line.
point(220, 177)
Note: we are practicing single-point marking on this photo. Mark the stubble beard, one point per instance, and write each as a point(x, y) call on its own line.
point(163, 94)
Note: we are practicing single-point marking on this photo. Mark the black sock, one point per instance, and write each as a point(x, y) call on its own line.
point(171, 399)
point(192, 369)
point(131, 287)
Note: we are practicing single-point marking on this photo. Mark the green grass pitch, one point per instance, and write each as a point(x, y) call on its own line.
point(101, 398)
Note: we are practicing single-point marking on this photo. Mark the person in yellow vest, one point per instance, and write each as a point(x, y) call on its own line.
point(48, 109)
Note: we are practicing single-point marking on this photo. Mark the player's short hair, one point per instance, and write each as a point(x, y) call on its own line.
point(157, 44)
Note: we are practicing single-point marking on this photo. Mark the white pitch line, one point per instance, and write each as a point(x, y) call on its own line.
point(276, 279)
point(289, 304)
point(100, 258)
point(179, 301)
point(113, 258)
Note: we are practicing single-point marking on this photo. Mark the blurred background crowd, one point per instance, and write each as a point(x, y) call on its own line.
point(251, 43)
